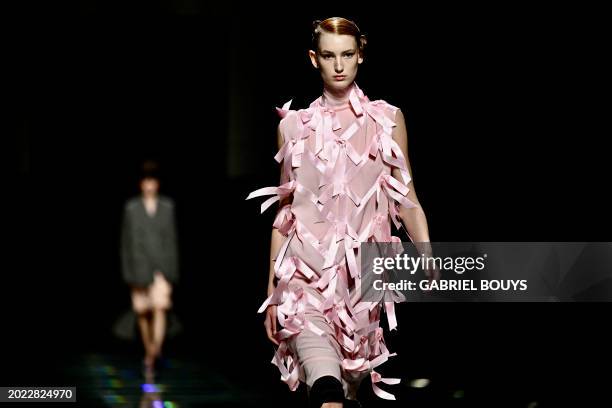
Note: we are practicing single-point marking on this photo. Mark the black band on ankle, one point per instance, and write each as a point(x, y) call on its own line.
point(326, 389)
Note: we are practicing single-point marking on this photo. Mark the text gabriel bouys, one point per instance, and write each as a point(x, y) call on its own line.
point(464, 284)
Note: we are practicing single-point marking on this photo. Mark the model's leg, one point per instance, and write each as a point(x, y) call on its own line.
point(321, 365)
point(141, 304)
point(161, 291)
point(146, 334)
point(159, 330)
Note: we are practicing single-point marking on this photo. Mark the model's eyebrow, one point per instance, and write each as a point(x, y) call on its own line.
point(343, 52)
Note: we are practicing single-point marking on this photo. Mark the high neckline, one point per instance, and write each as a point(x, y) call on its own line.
point(336, 102)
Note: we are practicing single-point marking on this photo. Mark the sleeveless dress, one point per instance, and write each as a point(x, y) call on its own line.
point(336, 165)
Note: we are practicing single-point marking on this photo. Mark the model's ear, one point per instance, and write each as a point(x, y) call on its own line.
point(359, 59)
point(313, 58)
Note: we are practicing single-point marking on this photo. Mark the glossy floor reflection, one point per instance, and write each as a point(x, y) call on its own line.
point(117, 381)
point(115, 378)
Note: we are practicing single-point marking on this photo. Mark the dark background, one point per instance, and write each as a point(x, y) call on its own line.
point(505, 143)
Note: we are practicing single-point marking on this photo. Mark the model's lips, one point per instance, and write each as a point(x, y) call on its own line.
point(339, 77)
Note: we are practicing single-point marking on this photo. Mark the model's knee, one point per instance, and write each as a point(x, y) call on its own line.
point(143, 314)
point(326, 389)
point(159, 310)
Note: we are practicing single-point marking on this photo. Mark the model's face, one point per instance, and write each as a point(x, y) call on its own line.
point(149, 186)
point(337, 59)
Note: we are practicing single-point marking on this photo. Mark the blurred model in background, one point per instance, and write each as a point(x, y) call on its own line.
point(149, 259)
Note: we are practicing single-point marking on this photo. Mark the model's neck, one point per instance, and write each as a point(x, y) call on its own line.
point(336, 97)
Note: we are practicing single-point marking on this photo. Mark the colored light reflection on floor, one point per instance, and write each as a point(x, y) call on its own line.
point(115, 383)
point(149, 388)
point(164, 404)
point(118, 380)
point(114, 399)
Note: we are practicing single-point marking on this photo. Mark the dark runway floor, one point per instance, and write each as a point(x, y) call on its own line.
point(191, 377)
point(117, 380)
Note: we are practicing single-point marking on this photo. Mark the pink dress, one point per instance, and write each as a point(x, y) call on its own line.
point(336, 166)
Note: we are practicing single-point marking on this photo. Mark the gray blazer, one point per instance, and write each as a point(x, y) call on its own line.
point(148, 243)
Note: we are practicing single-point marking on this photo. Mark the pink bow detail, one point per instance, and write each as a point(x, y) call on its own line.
point(377, 378)
point(284, 220)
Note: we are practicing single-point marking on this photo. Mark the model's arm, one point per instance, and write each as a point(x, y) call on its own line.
point(126, 247)
point(276, 240)
point(172, 248)
point(275, 243)
point(414, 219)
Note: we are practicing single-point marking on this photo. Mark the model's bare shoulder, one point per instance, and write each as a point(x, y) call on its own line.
point(399, 118)
point(400, 132)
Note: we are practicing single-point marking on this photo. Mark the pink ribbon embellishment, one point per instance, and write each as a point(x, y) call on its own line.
point(290, 370)
point(397, 191)
point(377, 378)
point(282, 191)
point(282, 112)
point(284, 220)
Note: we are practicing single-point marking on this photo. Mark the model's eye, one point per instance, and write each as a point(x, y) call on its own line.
point(349, 55)
point(328, 56)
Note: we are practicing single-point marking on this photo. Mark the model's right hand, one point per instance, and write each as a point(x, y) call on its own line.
point(270, 323)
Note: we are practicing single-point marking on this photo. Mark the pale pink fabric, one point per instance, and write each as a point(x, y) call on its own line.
point(336, 166)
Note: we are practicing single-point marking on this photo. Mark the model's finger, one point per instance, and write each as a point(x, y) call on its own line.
point(273, 321)
point(271, 337)
point(268, 330)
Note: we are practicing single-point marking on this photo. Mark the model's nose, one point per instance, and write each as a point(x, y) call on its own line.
point(339, 67)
